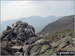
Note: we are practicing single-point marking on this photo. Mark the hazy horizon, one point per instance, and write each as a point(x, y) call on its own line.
point(11, 10)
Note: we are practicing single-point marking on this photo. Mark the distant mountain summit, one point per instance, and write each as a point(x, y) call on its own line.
point(64, 24)
point(38, 22)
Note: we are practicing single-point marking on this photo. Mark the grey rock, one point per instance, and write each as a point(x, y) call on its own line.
point(4, 44)
point(33, 39)
point(31, 27)
point(17, 24)
point(13, 41)
point(24, 24)
point(4, 52)
point(16, 30)
point(35, 49)
point(8, 28)
point(18, 54)
point(20, 29)
point(26, 49)
point(30, 33)
point(6, 34)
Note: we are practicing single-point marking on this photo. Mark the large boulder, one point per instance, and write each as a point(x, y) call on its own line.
point(33, 40)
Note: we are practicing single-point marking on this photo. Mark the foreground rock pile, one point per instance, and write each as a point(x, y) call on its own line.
point(21, 40)
point(60, 42)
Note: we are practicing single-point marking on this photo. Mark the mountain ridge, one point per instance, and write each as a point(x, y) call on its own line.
point(64, 23)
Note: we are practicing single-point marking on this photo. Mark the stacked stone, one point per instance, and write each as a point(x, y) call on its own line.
point(20, 39)
point(20, 31)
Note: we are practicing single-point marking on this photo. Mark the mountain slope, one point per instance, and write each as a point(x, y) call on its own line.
point(65, 23)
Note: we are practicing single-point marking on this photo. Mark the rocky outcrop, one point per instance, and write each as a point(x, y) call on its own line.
point(20, 32)
point(21, 40)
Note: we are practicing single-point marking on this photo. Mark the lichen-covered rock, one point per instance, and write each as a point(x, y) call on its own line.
point(40, 47)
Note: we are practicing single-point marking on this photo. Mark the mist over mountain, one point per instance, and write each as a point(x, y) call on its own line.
point(38, 22)
point(65, 23)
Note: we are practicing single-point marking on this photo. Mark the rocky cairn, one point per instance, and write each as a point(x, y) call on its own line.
point(21, 40)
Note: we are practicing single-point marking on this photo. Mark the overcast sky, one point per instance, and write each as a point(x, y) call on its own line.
point(17, 9)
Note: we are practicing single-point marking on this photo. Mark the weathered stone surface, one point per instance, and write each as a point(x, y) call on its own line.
point(60, 46)
point(16, 48)
point(33, 40)
point(5, 33)
point(3, 44)
point(18, 54)
point(55, 44)
point(37, 48)
point(4, 52)
point(68, 48)
point(8, 28)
